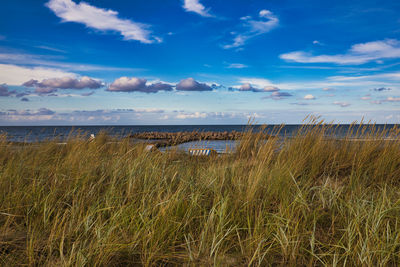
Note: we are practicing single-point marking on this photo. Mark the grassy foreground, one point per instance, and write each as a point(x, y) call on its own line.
point(311, 201)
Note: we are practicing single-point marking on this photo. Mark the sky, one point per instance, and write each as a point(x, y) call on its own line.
point(173, 62)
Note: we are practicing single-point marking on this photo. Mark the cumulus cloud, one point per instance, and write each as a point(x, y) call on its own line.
point(358, 54)
point(126, 84)
point(196, 7)
point(4, 90)
point(44, 111)
point(53, 84)
point(380, 89)
point(309, 97)
point(342, 104)
point(101, 19)
point(155, 87)
point(247, 87)
point(190, 84)
point(253, 27)
point(280, 95)
point(258, 82)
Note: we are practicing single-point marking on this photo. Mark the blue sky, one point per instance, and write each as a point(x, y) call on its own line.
point(70, 62)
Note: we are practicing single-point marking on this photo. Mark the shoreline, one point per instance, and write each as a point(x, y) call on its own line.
point(167, 139)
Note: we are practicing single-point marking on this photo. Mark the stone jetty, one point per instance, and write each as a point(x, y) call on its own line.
point(162, 139)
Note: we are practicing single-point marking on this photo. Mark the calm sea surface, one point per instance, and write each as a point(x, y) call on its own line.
point(40, 133)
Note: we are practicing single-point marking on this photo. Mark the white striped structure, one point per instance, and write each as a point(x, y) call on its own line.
point(202, 152)
point(150, 148)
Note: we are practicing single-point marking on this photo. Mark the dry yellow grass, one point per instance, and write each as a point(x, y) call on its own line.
point(311, 200)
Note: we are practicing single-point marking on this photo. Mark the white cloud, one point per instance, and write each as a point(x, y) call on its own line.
point(309, 97)
point(101, 19)
point(342, 104)
point(267, 21)
point(78, 116)
point(280, 95)
point(126, 84)
point(49, 48)
point(329, 83)
point(257, 82)
point(247, 87)
point(270, 88)
point(195, 115)
point(48, 61)
point(41, 114)
point(196, 7)
point(191, 84)
point(237, 66)
point(358, 54)
point(51, 85)
point(16, 75)
point(388, 75)
point(182, 115)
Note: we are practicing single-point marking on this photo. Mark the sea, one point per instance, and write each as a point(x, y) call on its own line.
point(61, 133)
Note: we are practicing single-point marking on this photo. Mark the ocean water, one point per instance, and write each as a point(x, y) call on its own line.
point(61, 133)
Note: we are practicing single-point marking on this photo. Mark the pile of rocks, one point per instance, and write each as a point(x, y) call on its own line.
point(168, 138)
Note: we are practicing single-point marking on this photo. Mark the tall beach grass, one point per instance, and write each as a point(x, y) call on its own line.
point(307, 200)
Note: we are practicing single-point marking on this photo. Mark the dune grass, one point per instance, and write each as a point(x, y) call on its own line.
point(309, 200)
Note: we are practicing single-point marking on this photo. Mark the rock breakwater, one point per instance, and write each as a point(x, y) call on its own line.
point(174, 138)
